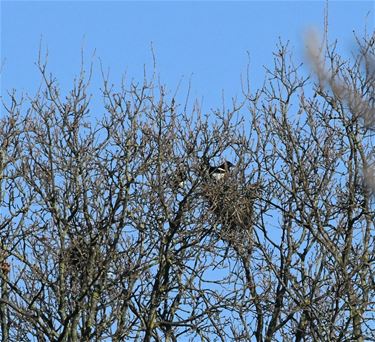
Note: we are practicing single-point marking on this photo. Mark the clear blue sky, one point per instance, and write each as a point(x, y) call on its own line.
point(207, 40)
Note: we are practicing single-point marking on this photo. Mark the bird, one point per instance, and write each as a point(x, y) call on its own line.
point(180, 176)
point(219, 172)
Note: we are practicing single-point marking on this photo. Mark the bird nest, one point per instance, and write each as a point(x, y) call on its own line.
point(76, 255)
point(233, 208)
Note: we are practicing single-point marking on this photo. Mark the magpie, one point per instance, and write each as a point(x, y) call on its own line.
point(180, 176)
point(219, 172)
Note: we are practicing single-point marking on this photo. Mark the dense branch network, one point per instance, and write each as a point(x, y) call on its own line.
point(158, 223)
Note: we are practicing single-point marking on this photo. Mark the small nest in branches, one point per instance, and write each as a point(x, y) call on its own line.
point(77, 254)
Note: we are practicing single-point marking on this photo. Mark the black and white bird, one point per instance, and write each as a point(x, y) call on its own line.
point(214, 172)
point(219, 172)
point(180, 176)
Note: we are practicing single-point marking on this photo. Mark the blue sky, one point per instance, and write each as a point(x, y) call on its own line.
point(206, 42)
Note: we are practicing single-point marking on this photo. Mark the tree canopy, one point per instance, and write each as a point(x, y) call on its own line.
point(113, 228)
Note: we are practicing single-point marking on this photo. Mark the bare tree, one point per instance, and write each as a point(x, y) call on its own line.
point(117, 229)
